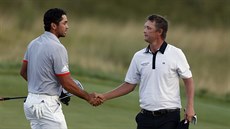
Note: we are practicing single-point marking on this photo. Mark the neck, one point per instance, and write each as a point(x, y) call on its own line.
point(154, 46)
point(54, 32)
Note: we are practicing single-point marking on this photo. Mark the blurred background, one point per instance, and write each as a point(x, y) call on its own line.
point(102, 38)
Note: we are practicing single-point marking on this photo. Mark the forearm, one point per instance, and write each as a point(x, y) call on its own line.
point(123, 89)
point(189, 86)
point(77, 92)
point(69, 85)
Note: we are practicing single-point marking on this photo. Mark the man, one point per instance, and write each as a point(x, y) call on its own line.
point(157, 68)
point(45, 67)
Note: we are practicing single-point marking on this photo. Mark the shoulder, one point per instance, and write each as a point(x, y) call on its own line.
point(140, 52)
point(33, 43)
point(174, 50)
point(139, 55)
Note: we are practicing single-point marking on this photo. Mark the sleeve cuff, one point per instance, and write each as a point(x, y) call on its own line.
point(26, 61)
point(62, 74)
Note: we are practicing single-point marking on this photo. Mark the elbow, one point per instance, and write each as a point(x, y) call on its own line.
point(131, 86)
point(132, 89)
point(24, 75)
point(21, 73)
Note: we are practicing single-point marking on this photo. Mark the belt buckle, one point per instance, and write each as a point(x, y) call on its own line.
point(156, 113)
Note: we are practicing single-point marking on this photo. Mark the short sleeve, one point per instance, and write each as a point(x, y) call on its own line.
point(132, 75)
point(60, 60)
point(183, 67)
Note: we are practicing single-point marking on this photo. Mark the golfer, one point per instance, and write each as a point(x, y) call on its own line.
point(45, 67)
point(157, 69)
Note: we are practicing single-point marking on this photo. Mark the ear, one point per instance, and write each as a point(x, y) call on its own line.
point(53, 26)
point(160, 31)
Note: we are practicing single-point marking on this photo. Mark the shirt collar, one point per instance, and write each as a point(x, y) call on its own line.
point(162, 48)
point(51, 35)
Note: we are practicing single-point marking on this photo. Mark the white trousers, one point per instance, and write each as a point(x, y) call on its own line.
point(44, 112)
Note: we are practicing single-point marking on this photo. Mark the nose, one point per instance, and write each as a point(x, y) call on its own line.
point(144, 30)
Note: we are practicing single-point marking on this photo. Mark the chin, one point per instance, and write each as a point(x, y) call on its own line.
point(63, 35)
point(146, 40)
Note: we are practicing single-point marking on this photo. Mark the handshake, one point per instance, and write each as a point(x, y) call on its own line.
point(96, 99)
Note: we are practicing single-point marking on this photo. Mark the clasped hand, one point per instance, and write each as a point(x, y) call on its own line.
point(96, 99)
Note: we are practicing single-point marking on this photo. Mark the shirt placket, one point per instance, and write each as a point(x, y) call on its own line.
point(154, 59)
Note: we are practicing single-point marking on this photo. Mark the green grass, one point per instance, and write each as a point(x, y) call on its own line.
point(118, 113)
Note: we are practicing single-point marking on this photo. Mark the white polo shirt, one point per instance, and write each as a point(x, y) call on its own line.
point(158, 75)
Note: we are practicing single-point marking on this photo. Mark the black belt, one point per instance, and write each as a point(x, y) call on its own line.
point(159, 112)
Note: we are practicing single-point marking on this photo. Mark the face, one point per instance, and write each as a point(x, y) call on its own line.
point(150, 32)
point(62, 27)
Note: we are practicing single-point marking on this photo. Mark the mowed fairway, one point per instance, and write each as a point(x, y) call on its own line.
point(114, 114)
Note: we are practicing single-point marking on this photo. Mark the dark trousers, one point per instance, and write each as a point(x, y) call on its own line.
point(169, 120)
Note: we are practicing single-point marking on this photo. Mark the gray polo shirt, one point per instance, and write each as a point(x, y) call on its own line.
point(47, 58)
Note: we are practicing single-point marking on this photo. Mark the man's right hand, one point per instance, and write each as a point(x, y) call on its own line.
point(95, 100)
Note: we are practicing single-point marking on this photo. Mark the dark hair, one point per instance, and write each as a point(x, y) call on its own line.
point(160, 22)
point(53, 15)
